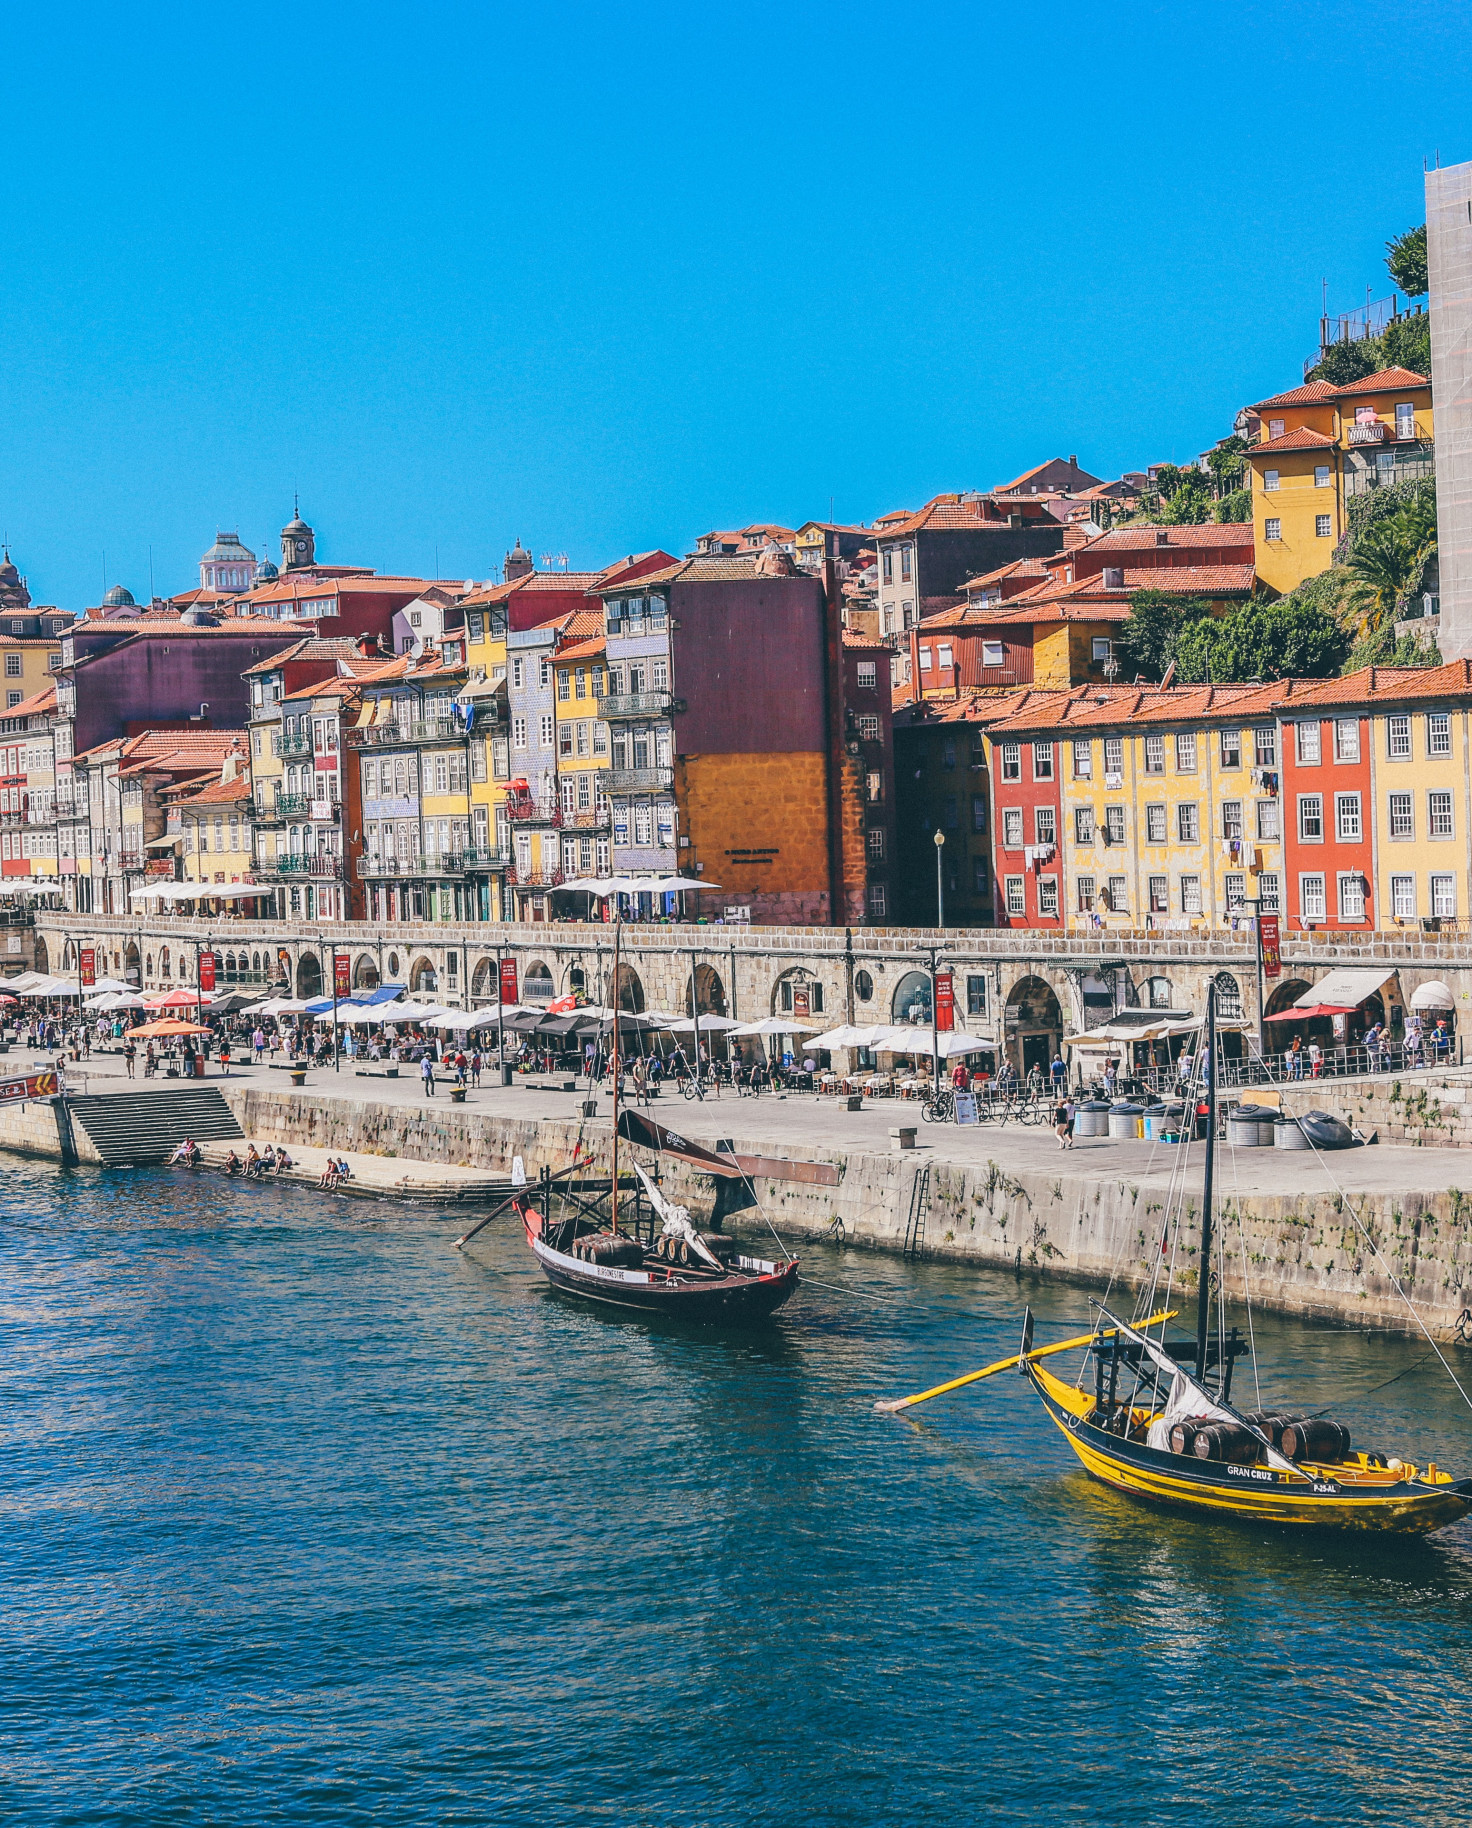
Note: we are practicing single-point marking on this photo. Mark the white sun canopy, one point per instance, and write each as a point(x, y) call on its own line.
point(198, 891)
point(1345, 988)
point(1434, 995)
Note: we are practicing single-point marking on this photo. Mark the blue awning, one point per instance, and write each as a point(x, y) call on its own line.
point(385, 993)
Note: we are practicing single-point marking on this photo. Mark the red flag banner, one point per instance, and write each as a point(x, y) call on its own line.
point(945, 1001)
point(342, 973)
point(207, 972)
point(508, 980)
point(1267, 939)
point(87, 962)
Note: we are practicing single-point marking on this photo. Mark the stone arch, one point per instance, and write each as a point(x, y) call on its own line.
point(710, 993)
point(148, 967)
point(165, 967)
point(42, 956)
point(1034, 1024)
point(1286, 994)
point(255, 963)
point(1228, 997)
point(794, 988)
point(423, 978)
point(629, 991)
point(365, 972)
point(1156, 993)
point(308, 977)
point(484, 987)
point(911, 1000)
point(68, 956)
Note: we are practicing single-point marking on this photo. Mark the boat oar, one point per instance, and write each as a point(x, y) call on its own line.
point(1010, 1364)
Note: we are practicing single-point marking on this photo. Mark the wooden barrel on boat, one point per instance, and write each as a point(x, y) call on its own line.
point(1225, 1441)
point(1273, 1422)
point(1315, 1439)
point(1183, 1437)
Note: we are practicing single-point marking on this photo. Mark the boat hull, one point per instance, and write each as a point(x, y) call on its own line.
point(740, 1298)
point(1252, 1494)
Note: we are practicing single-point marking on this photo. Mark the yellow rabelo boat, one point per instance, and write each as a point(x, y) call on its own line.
point(1159, 1422)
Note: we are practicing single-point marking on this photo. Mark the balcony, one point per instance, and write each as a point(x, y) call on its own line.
point(435, 729)
point(383, 866)
point(440, 863)
point(159, 869)
point(533, 879)
point(292, 805)
point(522, 809)
point(481, 857)
point(636, 704)
point(639, 780)
point(1371, 433)
point(292, 745)
point(131, 860)
point(593, 818)
point(296, 866)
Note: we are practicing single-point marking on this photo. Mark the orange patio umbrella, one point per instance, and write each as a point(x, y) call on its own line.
point(171, 999)
point(169, 1027)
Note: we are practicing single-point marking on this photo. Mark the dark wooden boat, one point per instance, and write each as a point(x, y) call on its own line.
point(621, 1242)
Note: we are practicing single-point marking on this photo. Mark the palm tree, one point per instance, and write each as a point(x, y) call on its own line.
point(1388, 561)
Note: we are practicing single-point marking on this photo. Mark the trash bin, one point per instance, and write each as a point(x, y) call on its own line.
point(1287, 1134)
point(508, 1075)
point(1091, 1117)
point(199, 1066)
point(1251, 1126)
point(1124, 1119)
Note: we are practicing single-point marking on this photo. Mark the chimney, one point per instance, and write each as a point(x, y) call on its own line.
point(1162, 536)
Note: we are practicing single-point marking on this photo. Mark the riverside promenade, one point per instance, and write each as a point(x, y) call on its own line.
point(1337, 1235)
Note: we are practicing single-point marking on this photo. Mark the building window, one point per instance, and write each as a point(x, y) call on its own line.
point(992, 654)
point(869, 727)
point(925, 660)
point(12, 699)
point(1403, 897)
point(1311, 897)
point(1347, 824)
point(1268, 892)
point(868, 675)
point(1045, 827)
point(874, 785)
point(944, 654)
point(1084, 887)
point(1323, 527)
point(975, 996)
point(1322, 480)
point(1188, 826)
point(1048, 897)
point(1402, 817)
point(1311, 818)
point(1235, 888)
point(1190, 894)
point(978, 812)
point(889, 565)
point(1306, 737)
point(518, 733)
point(1232, 819)
point(1114, 824)
point(1405, 419)
point(1272, 528)
point(1011, 761)
point(948, 756)
point(1346, 739)
point(907, 554)
point(1352, 896)
point(980, 880)
point(1154, 825)
point(1231, 748)
point(564, 685)
point(1102, 649)
point(1155, 755)
point(12, 666)
point(1398, 738)
point(1265, 747)
point(878, 901)
point(1444, 897)
point(1159, 889)
point(1269, 828)
point(1042, 761)
point(1083, 761)
point(1083, 825)
point(1438, 733)
point(1012, 828)
point(1270, 482)
point(1113, 757)
point(1186, 752)
point(1016, 897)
point(1439, 814)
point(1119, 895)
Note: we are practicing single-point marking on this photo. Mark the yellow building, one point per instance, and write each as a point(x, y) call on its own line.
point(214, 827)
point(484, 698)
point(583, 747)
point(30, 665)
point(1318, 446)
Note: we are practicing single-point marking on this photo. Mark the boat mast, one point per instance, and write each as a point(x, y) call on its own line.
point(617, 931)
point(1203, 1292)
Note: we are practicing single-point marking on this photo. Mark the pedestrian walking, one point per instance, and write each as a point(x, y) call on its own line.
point(426, 1073)
point(258, 1042)
point(475, 1065)
point(130, 1054)
point(1063, 1124)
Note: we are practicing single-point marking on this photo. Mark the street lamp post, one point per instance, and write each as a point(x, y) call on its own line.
point(933, 953)
point(940, 893)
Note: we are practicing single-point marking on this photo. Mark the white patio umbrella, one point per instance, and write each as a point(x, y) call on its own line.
point(280, 1006)
point(115, 999)
point(776, 1025)
point(709, 1025)
point(104, 984)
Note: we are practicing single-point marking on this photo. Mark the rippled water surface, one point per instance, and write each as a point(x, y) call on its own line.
point(309, 1518)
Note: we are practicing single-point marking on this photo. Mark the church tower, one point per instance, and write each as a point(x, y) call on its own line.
point(519, 564)
point(298, 542)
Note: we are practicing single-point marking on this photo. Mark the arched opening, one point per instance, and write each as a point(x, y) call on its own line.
point(483, 986)
point(536, 984)
point(1286, 995)
point(148, 966)
point(1034, 1024)
point(255, 963)
point(1155, 993)
point(911, 1000)
point(863, 987)
point(797, 993)
point(42, 958)
point(423, 979)
point(1228, 997)
point(365, 972)
point(710, 993)
point(165, 968)
point(629, 992)
point(68, 956)
point(308, 977)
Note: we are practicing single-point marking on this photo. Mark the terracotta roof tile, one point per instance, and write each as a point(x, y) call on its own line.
point(1300, 440)
point(1311, 393)
point(1137, 539)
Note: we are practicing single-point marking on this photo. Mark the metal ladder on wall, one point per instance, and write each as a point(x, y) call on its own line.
point(919, 1211)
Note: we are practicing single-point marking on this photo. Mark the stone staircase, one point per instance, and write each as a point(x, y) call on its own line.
point(131, 1127)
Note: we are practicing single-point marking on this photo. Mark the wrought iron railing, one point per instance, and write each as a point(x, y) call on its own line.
point(635, 704)
point(292, 745)
point(639, 780)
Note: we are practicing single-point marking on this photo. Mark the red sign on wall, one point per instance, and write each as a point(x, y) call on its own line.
point(801, 1001)
point(1267, 939)
point(38, 1085)
point(945, 1000)
point(87, 962)
point(508, 980)
point(207, 971)
point(342, 974)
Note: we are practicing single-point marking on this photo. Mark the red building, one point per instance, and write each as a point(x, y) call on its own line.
point(1027, 816)
point(1328, 815)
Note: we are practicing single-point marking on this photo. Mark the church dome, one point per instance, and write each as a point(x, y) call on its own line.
point(266, 572)
point(119, 597)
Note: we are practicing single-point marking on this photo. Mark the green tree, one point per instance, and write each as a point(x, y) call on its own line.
point(1346, 362)
point(1226, 464)
point(1386, 648)
point(1407, 344)
point(1405, 257)
point(1387, 560)
point(1190, 502)
point(1147, 639)
point(1235, 505)
point(1263, 640)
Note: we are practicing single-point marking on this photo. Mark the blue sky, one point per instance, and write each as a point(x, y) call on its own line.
point(602, 278)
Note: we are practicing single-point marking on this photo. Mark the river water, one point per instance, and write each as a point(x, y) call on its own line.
point(310, 1518)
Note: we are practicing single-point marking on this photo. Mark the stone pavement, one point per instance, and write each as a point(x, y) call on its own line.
point(808, 1126)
